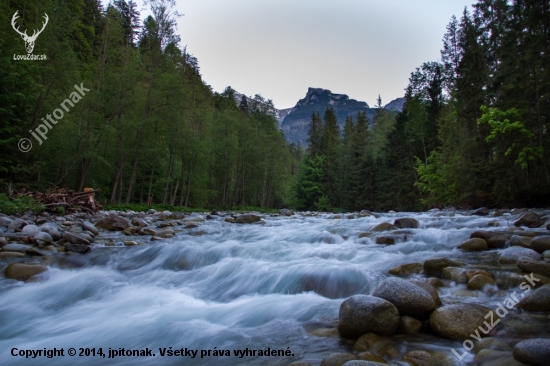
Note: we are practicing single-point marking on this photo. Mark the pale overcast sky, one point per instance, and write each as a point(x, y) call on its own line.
point(279, 48)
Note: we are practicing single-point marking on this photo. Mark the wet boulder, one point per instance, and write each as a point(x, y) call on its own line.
point(458, 321)
point(455, 274)
point(384, 226)
point(77, 248)
point(536, 300)
point(534, 351)
point(529, 219)
point(433, 266)
point(512, 254)
point(406, 223)
point(362, 314)
point(493, 239)
point(407, 297)
point(406, 269)
point(482, 211)
point(529, 265)
point(429, 288)
point(474, 245)
point(520, 241)
point(247, 219)
point(113, 222)
point(541, 243)
point(23, 272)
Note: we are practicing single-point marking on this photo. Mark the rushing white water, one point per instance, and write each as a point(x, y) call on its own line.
point(235, 287)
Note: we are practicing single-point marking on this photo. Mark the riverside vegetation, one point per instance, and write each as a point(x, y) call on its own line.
point(474, 129)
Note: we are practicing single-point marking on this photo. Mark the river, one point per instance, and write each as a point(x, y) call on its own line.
point(277, 285)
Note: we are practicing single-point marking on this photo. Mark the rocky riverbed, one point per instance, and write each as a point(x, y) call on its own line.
point(433, 288)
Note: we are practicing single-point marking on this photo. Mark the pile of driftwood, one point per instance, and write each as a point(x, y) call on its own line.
point(70, 200)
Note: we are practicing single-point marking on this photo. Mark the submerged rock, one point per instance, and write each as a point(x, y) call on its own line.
point(533, 351)
point(458, 321)
point(407, 297)
point(77, 248)
point(482, 211)
point(23, 272)
point(362, 314)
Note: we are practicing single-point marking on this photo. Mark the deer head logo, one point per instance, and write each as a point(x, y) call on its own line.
point(29, 41)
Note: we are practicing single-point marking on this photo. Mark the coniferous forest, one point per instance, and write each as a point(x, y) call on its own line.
point(474, 129)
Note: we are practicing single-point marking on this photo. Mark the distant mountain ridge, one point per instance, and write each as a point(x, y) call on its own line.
point(295, 121)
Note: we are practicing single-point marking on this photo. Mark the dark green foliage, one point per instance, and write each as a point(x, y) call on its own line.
point(148, 127)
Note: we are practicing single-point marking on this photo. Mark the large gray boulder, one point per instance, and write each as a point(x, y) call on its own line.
point(458, 321)
point(113, 222)
point(541, 243)
point(534, 352)
point(407, 297)
point(362, 314)
point(520, 241)
point(285, 212)
point(536, 300)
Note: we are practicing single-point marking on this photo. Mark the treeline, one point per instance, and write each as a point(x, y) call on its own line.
point(148, 127)
point(474, 129)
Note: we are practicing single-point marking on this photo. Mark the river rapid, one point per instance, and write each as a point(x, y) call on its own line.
point(277, 285)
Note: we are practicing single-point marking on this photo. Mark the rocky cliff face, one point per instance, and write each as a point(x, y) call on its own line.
point(295, 122)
